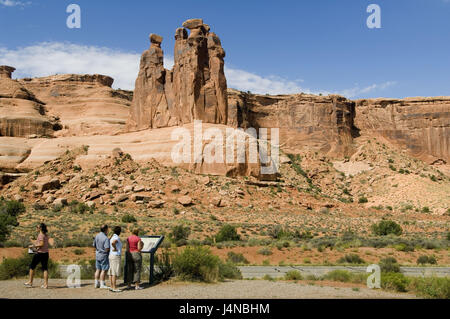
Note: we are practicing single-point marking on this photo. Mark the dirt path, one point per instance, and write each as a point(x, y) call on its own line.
point(251, 289)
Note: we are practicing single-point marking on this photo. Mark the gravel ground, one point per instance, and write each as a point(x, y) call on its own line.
point(245, 289)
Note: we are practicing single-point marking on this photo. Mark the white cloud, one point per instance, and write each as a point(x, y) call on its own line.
point(13, 3)
point(50, 58)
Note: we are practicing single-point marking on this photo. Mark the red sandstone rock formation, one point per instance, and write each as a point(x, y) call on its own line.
point(85, 104)
point(322, 123)
point(195, 89)
point(21, 113)
point(422, 125)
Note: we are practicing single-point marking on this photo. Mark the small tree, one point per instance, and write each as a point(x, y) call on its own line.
point(227, 233)
point(387, 227)
point(180, 234)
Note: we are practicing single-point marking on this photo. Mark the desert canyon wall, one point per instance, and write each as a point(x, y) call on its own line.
point(40, 118)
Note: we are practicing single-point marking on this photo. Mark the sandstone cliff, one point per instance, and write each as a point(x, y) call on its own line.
point(321, 123)
point(21, 113)
point(85, 104)
point(195, 89)
point(420, 125)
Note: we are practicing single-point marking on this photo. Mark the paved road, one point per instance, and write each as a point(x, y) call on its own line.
point(280, 271)
point(276, 272)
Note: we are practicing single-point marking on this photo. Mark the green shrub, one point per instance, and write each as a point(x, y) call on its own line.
point(196, 264)
point(387, 227)
point(363, 200)
point(351, 259)
point(394, 281)
point(128, 218)
point(423, 260)
point(448, 236)
point(389, 265)
point(431, 287)
point(293, 275)
point(227, 233)
point(265, 251)
point(78, 208)
point(79, 251)
point(338, 275)
point(229, 271)
point(179, 235)
point(236, 258)
point(164, 268)
point(9, 211)
point(87, 269)
point(268, 277)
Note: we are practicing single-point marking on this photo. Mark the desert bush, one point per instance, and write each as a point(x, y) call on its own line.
point(229, 271)
point(164, 268)
point(423, 260)
point(79, 208)
point(389, 265)
point(431, 287)
point(128, 218)
point(387, 227)
point(265, 251)
point(75, 241)
point(227, 233)
point(87, 269)
point(79, 251)
point(19, 267)
point(179, 235)
point(363, 200)
point(236, 258)
point(196, 264)
point(9, 211)
point(351, 259)
point(338, 275)
point(293, 275)
point(394, 281)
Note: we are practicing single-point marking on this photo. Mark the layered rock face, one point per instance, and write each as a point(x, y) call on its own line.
point(321, 123)
point(84, 104)
point(21, 113)
point(195, 89)
point(421, 125)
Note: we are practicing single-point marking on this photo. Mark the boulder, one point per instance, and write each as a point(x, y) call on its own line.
point(140, 198)
point(193, 23)
point(185, 200)
point(156, 204)
point(60, 202)
point(121, 198)
point(46, 183)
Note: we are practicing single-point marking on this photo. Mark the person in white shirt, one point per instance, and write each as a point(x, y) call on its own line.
point(115, 253)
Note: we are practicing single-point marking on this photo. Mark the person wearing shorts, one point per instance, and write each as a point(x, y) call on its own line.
point(115, 258)
point(40, 256)
point(101, 244)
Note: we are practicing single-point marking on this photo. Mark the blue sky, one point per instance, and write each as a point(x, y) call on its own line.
point(272, 46)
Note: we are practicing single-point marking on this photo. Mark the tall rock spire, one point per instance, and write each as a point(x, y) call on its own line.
point(195, 89)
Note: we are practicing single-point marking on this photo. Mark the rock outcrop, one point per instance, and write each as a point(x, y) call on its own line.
point(321, 123)
point(195, 89)
point(420, 125)
point(84, 104)
point(21, 113)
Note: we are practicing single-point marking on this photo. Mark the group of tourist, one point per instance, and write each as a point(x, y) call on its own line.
point(108, 256)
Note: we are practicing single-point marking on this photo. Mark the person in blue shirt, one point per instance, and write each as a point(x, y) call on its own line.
point(102, 247)
point(115, 258)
